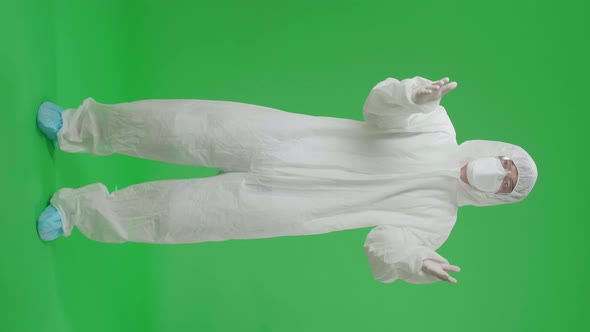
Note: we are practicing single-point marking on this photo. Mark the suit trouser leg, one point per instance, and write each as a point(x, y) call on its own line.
point(213, 208)
point(216, 134)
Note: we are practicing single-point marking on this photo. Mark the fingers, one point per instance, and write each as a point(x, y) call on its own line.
point(452, 280)
point(426, 90)
point(441, 87)
point(439, 269)
point(441, 82)
point(448, 88)
point(446, 277)
point(452, 268)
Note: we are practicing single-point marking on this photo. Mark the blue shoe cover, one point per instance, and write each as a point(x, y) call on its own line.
point(49, 224)
point(49, 120)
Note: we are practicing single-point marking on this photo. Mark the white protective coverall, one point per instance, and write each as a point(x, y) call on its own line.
point(284, 174)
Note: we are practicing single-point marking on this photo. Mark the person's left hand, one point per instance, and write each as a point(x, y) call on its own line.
point(434, 91)
point(440, 270)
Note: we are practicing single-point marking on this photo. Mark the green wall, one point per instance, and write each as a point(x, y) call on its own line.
point(522, 73)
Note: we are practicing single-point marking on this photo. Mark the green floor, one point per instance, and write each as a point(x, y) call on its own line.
point(522, 69)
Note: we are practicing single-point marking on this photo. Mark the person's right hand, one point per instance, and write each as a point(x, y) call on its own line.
point(439, 269)
point(433, 91)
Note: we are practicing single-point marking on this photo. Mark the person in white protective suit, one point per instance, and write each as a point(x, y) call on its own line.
point(285, 174)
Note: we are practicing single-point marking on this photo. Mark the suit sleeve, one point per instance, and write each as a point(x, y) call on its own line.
point(390, 105)
point(396, 253)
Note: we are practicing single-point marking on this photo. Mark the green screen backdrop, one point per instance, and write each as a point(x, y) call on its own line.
point(522, 73)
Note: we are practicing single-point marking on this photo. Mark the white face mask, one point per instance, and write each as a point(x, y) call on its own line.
point(486, 174)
